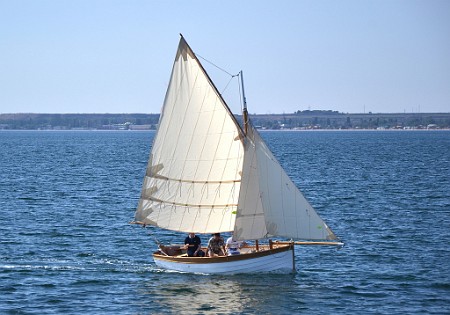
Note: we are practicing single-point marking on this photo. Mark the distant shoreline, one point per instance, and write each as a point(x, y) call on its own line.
point(300, 120)
point(260, 130)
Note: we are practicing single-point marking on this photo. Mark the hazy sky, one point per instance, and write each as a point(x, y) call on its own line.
point(67, 56)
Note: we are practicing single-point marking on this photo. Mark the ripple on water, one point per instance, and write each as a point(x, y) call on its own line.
point(66, 246)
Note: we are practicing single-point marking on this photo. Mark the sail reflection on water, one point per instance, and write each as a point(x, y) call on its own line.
point(200, 294)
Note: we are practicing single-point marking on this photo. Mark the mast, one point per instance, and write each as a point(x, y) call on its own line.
point(244, 109)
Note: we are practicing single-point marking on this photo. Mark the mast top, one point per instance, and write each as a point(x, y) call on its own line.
point(244, 100)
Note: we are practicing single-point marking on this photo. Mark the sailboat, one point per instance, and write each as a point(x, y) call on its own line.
point(207, 174)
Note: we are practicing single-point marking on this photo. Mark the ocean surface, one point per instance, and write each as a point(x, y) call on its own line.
point(66, 245)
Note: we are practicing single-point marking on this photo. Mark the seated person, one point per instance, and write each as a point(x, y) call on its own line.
point(233, 246)
point(216, 246)
point(193, 245)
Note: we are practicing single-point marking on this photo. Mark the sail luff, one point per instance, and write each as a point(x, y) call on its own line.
point(250, 218)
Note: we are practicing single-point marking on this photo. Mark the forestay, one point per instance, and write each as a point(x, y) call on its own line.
point(193, 177)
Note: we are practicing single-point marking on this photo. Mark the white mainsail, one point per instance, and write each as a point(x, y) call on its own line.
point(193, 176)
point(205, 176)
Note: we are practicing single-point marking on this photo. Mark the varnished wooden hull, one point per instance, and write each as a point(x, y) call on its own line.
point(278, 259)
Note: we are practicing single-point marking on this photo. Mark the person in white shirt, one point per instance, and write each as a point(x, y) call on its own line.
point(233, 247)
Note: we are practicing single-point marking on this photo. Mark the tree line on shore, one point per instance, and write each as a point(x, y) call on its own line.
point(310, 119)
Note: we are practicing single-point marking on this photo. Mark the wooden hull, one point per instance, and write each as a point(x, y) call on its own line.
point(278, 259)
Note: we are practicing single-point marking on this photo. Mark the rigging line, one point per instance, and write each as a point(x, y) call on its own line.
point(226, 86)
point(232, 76)
point(221, 69)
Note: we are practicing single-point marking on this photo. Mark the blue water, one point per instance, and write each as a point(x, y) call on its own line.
point(66, 246)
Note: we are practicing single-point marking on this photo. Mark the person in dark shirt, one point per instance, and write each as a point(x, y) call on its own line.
point(193, 245)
